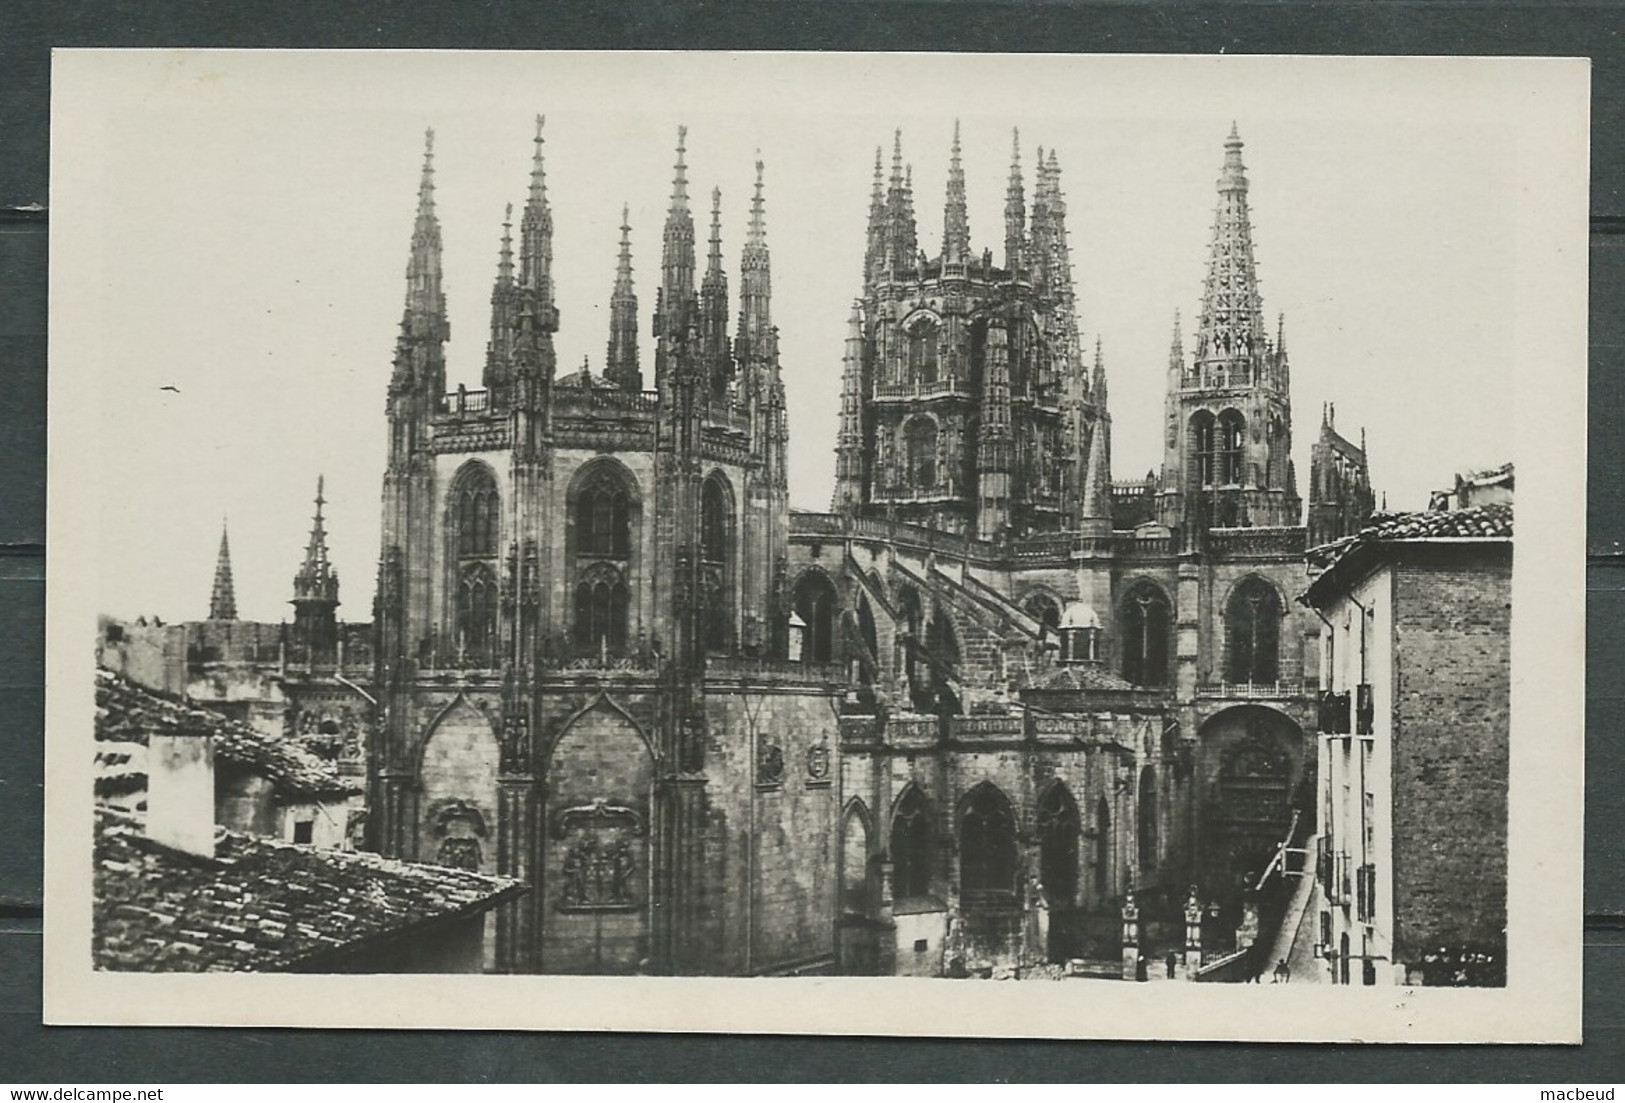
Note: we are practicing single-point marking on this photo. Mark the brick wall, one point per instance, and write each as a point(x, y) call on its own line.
point(1452, 641)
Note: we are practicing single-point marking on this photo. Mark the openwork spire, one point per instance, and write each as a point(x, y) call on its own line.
point(955, 220)
point(755, 284)
point(424, 300)
point(223, 599)
point(621, 363)
point(677, 256)
point(875, 243)
point(1176, 351)
point(536, 239)
point(1230, 341)
point(316, 580)
point(1015, 210)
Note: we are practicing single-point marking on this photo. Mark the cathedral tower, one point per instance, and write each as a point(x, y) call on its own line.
point(1227, 458)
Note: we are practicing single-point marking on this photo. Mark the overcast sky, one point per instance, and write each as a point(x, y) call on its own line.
point(227, 311)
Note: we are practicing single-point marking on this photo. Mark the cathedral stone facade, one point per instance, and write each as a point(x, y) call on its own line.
point(992, 710)
point(581, 638)
point(1072, 699)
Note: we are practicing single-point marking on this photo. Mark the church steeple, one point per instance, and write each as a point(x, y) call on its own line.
point(621, 363)
point(875, 242)
point(955, 220)
point(1230, 340)
point(902, 242)
point(223, 599)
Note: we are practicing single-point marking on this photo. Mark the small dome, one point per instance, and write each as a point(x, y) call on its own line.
point(1079, 615)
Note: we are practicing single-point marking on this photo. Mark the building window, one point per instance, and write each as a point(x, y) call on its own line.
point(922, 353)
point(1203, 445)
point(815, 604)
point(1145, 621)
point(1232, 433)
point(1058, 845)
point(987, 845)
point(477, 614)
point(601, 607)
point(304, 831)
point(604, 515)
point(911, 846)
point(1148, 819)
point(716, 563)
point(476, 511)
point(1253, 627)
point(920, 453)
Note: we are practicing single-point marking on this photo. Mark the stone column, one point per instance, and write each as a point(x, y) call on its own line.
point(1193, 938)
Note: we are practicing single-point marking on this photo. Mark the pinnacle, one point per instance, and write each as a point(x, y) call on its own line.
point(223, 600)
point(538, 174)
point(679, 186)
point(758, 227)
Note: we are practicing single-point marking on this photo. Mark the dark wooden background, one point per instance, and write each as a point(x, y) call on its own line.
point(30, 28)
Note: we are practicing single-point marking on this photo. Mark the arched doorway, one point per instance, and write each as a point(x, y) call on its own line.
point(987, 849)
point(1059, 829)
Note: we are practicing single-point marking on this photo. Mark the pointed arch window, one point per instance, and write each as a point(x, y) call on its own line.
point(476, 510)
point(815, 603)
point(922, 352)
point(1058, 845)
point(604, 515)
point(1203, 443)
point(716, 563)
point(913, 849)
point(477, 602)
point(1253, 633)
point(987, 845)
point(920, 453)
point(1045, 610)
point(601, 542)
point(1146, 622)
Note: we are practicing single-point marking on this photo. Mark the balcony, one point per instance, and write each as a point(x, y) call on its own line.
point(915, 392)
point(1253, 691)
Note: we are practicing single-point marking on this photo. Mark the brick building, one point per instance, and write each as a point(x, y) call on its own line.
point(1066, 688)
point(1414, 721)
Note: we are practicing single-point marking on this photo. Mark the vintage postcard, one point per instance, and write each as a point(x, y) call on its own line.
point(914, 544)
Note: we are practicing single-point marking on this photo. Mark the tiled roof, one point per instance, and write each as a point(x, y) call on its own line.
point(259, 905)
point(1476, 523)
point(127, 713)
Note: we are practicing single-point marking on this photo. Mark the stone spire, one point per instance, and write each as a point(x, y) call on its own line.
point(424, 328)
point(955, 220)
point(1015, 211)
point(223, 599)
point(1176, 353)
point(901, 238)
point(621, 363)
point(316, 591)
point(849, 438)
point(536, 247)
point(714, 307)
point(1096, 498)
point(1230, 340)
point(504, 313)
point(755, 340)
point(677, 255)
point(875, 243)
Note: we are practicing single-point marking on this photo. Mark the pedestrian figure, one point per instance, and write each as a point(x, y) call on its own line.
point(1282, 973)
point(1173, 961)
point(1139, 968)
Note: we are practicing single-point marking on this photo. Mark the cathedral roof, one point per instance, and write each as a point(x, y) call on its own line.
point(260, 905)
point(583, 379)
point(1083, 676)
point(128, 714)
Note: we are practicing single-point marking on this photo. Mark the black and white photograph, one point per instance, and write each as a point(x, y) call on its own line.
point(917, 544)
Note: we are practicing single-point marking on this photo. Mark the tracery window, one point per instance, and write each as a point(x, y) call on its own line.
point(476, 512)
point(987, 844)
point(920, 453)
point(1044, 609)
point(1253, 633)
point(603, 515)
point(1232, 434)
point(922, 352)
point(601, 607)
point(912, 846)
point(602, 542)
point(1203, 445)
point(1145, 621)
point(477, 602)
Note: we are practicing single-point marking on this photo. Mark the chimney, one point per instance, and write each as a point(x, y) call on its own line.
point(180, 791)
